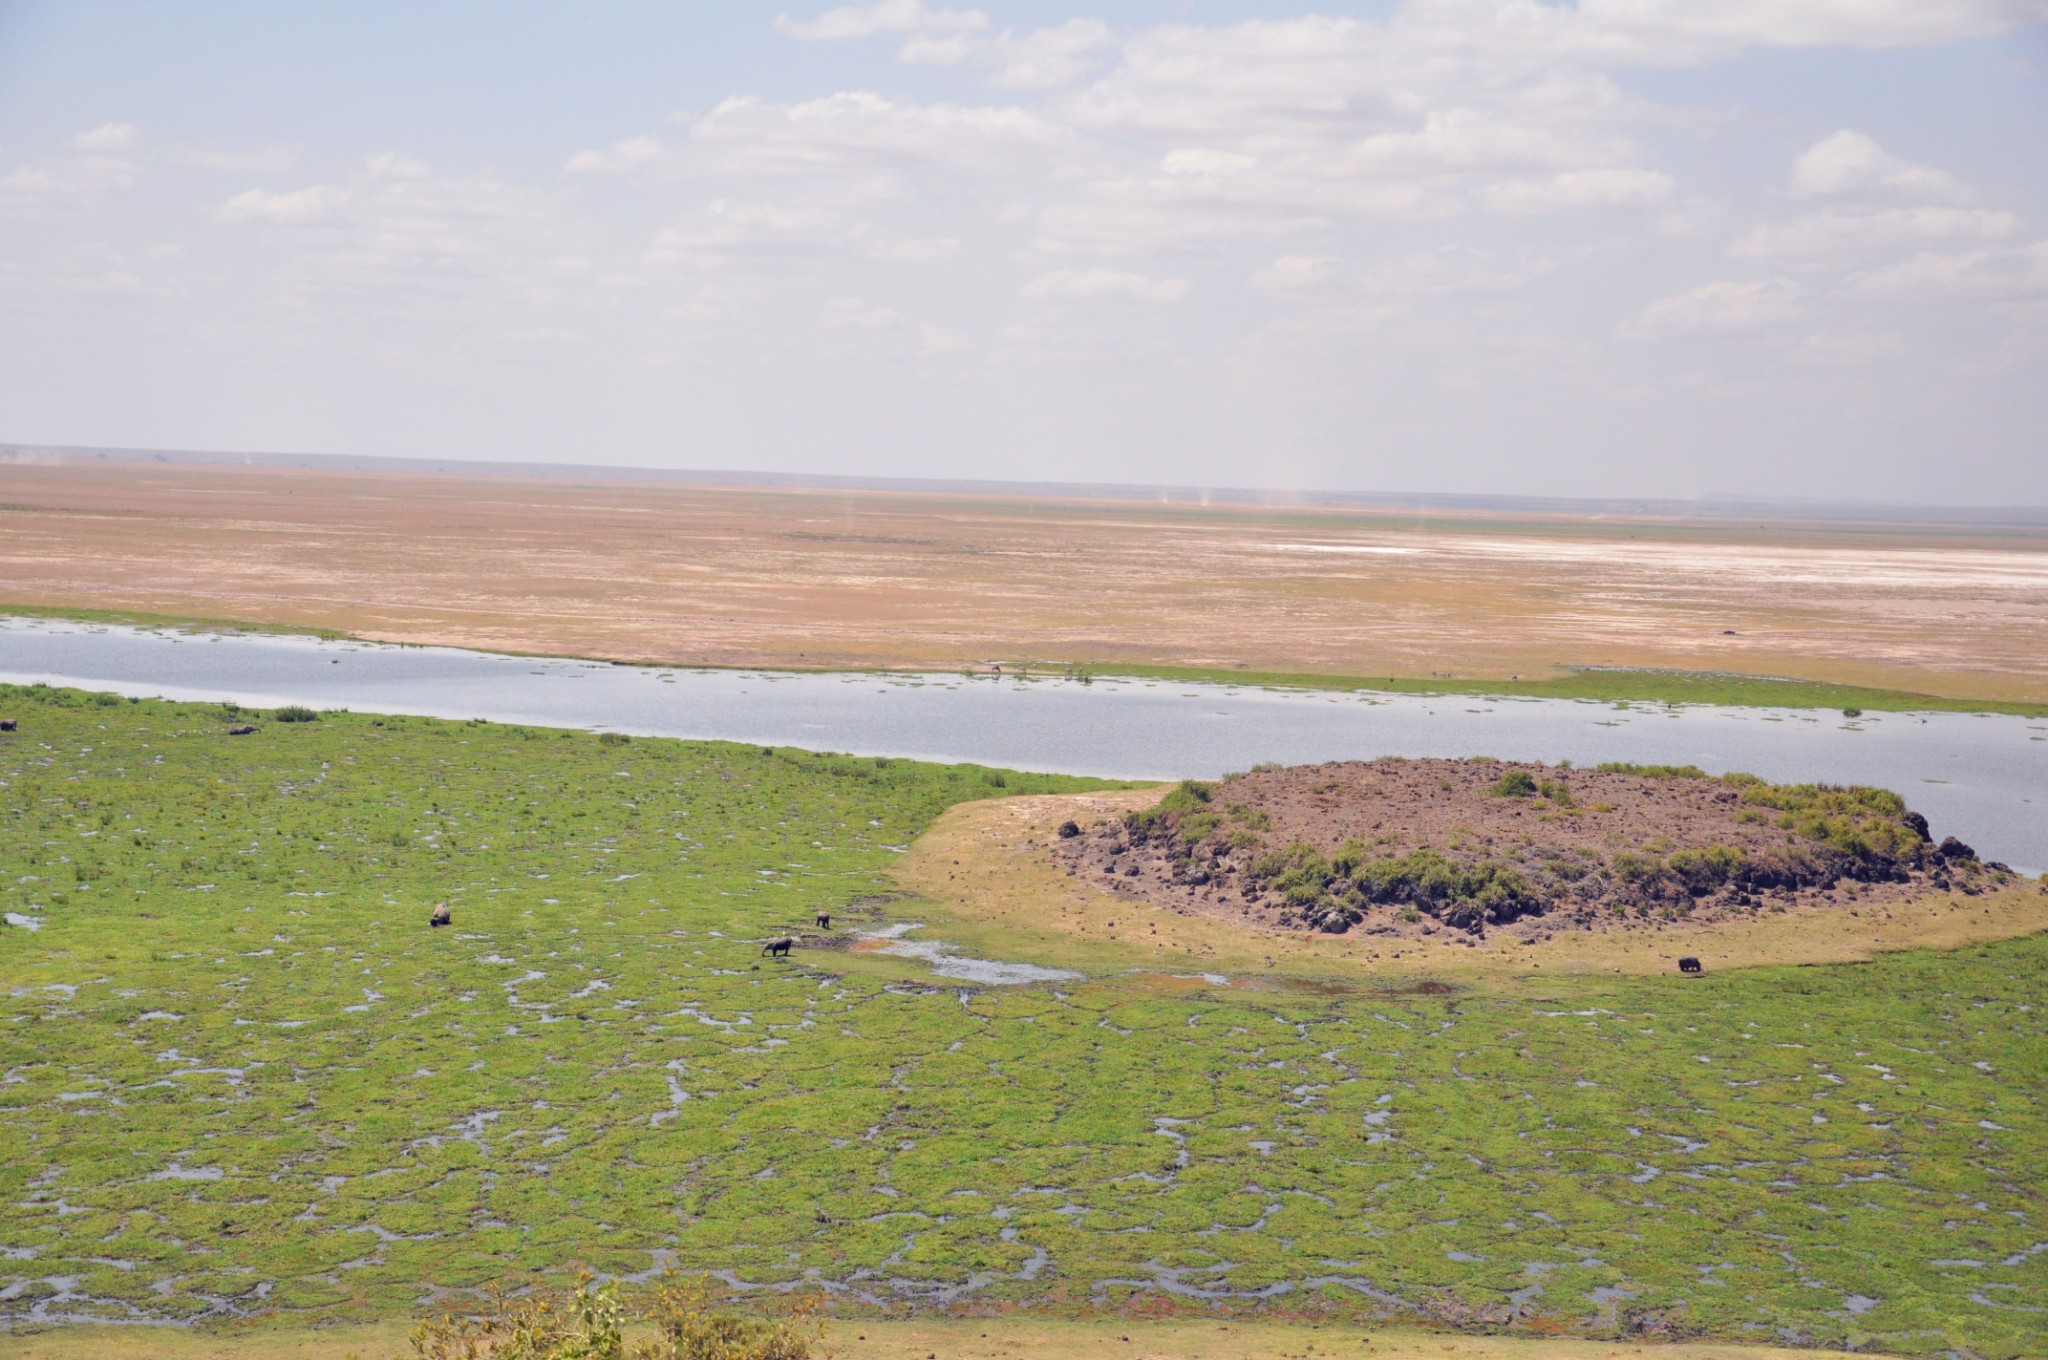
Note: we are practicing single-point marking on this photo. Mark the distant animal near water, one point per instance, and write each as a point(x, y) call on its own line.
point(442, 916)
point(1689, 964)
point(779, 948)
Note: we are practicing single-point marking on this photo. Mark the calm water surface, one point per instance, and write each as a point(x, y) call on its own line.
point(1981, 777)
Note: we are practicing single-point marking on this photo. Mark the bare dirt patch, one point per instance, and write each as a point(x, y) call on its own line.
point(1448, 849)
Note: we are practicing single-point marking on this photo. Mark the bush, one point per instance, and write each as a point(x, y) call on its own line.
point(107, 700)
point(1248, 816)
point(296, 713)
point(1187, 796)
point(1862, 822)
point(1557, 791)
point(1514, 784)
point(1490, 889)
point(1707, 868)
point(1653, 771)
point(1636, 870)
point(612, 739)
point(590, 1324)
point(1852, 712)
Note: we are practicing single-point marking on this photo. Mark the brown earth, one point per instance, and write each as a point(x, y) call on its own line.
point(808, 578)
point(1444, 850)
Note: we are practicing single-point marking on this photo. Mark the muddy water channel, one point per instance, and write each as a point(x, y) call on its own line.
point(1979, 776)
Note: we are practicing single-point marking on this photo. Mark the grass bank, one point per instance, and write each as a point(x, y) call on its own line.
point(136, 619)
point(240, 1076)
point(1606, 684)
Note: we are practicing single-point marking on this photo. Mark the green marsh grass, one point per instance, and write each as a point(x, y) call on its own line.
point(239, 1074)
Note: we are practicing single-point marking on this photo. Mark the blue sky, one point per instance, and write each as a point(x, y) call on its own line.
point(1631, 247)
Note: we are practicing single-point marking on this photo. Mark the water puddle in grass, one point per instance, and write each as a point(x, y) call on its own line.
point(946, 962)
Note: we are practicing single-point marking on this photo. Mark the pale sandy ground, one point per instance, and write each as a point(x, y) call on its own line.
point(827, 579)
point(988, 870)
point(1004, 1338)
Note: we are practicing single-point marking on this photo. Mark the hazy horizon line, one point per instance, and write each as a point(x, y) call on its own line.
point(1711, 507)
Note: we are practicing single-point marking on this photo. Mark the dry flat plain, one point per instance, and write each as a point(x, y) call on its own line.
point(810, 578)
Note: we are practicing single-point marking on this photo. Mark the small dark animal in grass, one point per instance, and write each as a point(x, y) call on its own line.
point(1689, 964)
point(7, 724)
point(779, 948)
point(824, 920)
point(241, 729)
point(442, 916)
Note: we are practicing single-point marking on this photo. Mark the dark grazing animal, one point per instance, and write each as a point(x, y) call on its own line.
point(1689, 964)
point(824, 920)
point(241, 729)
point(442, 916)
point(7, 724)
point(778, 948)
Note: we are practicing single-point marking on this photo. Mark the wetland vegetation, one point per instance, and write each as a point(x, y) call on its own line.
point(240, 1077)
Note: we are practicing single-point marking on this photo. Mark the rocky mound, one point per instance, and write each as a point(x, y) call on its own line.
point(1422, 847)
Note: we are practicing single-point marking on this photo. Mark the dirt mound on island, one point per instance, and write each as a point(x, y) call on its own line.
point(1455, 847)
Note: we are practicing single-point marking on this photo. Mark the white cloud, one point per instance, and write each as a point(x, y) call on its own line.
point(1849, 163)
point(862, 130)
point(1084, 285)
point(1835, 233)
point(1721, 308)
point(1850, 350)
point(775, 233)
point(1682, 30)
point(1042, 59)
point(1990, 275)
point(271, 159)
point(1201, 160)
point(885, 16)
point(397, 165)
point(1296, 273)
point(934, 339)
point(73, 183)
point(622, 157)
point(889, 330)
point(107, 137)
point(1577, 190)
point(299, 207)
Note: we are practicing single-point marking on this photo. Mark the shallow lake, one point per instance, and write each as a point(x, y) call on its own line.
point(1982, 777)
